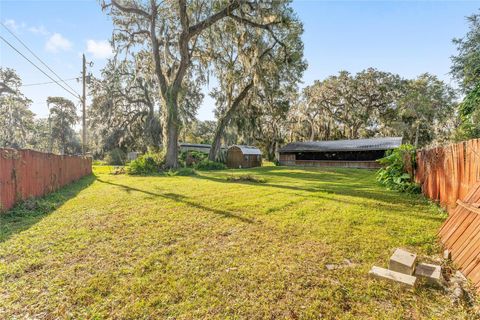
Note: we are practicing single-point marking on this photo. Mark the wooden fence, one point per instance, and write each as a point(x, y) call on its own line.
point(27, 173)
point(460, 234)
point(288, 159)
point(447, 173)
point(337, 163)
point(451, 176)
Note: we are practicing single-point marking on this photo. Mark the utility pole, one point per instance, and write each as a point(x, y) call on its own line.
point(50, 140)
point(84, 102)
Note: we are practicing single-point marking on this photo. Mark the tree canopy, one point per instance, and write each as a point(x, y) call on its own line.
point(178, 36)
point(466, 63)
point(248, 57)
point(16, 119)
point(63, 118)
point(247, 64)
point(466, 69)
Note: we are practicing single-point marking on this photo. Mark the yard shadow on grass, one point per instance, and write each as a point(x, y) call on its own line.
point(26, 214)
point(343, 182)
point(181, 198)
point(353, 190)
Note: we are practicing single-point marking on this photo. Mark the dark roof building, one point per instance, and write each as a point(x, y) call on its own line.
point(358, 153)
point(205, 148)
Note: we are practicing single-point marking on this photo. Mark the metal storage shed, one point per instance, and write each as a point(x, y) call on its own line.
point(239, 156)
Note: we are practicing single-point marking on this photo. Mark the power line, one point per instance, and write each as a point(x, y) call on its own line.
point(42, 83)
point(11, 46)
point(41, 61)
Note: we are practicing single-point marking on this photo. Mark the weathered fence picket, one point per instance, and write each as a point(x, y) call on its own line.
point(28, 173)
point(447, 173)
point(451, 176)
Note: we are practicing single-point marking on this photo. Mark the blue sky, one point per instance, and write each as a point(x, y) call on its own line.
point(404, 37)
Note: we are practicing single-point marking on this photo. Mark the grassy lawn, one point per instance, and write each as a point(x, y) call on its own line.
point(204, 247)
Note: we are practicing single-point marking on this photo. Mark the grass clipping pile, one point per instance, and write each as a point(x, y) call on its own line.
point(245, 178)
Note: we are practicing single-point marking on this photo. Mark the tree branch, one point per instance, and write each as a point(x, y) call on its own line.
point(5, 88)
point(252, 23)
point(260, 26)
point(155, 48)
point(126, 9)
point(204, 24)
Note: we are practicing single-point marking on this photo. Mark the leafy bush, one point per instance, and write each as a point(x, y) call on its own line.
point(181, 172)
point(397, 170)
point(98, 163)
point(116, 157)
point(148, 163)
point(206, 164)
point(190, 158)
point(469, 111)
point(245, 178)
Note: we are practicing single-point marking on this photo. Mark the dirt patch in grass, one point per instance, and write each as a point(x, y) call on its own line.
point(245, 178)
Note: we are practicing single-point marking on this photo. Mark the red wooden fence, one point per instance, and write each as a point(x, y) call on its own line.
point(460, 234)
point(451, 176)
point(28, 173)
point(447, 173)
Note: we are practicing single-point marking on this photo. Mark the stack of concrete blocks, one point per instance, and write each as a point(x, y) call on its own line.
point(404, 269)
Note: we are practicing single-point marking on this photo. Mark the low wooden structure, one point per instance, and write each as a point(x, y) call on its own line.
point(450, 175)
point(448, 172)
point(358, 153)
point(460, 234)
point(243, 157)
point(27, 173)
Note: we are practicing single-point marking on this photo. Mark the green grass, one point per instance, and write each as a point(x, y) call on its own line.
point(200, 246)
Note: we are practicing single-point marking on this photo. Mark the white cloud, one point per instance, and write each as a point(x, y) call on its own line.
point(57, 42)
point(99, 49)
point(12, 24)
point(39, 30)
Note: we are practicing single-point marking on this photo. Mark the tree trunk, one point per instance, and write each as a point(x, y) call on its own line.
point(272, 156)
point(275, 151)
point(62, 150)
point(417, 133)
point(312, 131)
point(151, 123)
point(327, 131)
point(222, 123)
point(170, 132)
point(217, 140)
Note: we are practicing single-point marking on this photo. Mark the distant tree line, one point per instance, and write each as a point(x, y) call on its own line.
point(466, 69)
point(248, 56)
point(20, 129)
point(374, 103)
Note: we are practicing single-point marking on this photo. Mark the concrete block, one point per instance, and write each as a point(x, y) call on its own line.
point(457, 293)
point(447, 254)
point(431, 272)
point(459, 278)
point(403, 261)
point(401, 278)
